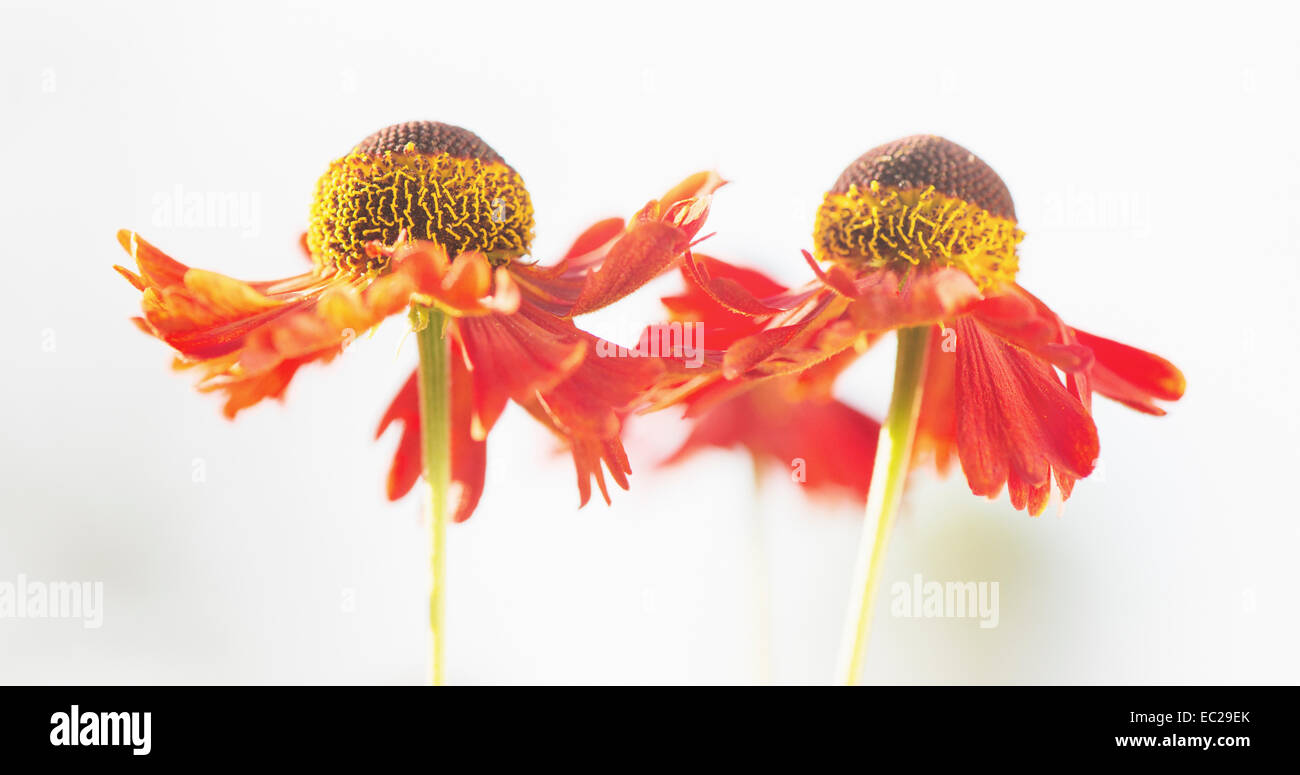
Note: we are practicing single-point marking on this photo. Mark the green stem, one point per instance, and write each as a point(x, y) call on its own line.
point(893, 455)
point(435, 388)
point(760, 560)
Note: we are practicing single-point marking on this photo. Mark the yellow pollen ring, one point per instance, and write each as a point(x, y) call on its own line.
point(462, 204)
point(888, 228)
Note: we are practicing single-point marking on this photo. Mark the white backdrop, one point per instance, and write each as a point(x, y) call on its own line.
point(1154, 162)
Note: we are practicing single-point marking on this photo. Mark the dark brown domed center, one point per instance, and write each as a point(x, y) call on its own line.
point(430, 138)
point(921, 161)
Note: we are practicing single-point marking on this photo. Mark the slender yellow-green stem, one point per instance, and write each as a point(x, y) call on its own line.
point(893, 453)
point(434, 425)
point(760, 560)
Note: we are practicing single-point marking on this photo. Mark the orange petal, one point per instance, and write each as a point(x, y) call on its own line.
point(248, 339)
point(646, 251)
point(1015, 420)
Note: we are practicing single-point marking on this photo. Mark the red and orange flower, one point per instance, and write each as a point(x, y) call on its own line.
point(427, 215)
point(921, 233)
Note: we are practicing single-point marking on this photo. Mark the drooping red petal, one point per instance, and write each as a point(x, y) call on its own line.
point(514, 356)
point(1042, 332)
point(1024, 320)
point(823, 443)
point(729, 289)
point(468, 454)
point(408, 460)
point(563, 377)
point(1016, 422)
point(586, 409)
point(1133, 377)
point(548, 366)
point(936, 423)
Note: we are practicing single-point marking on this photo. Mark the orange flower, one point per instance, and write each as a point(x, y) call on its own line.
point(427, 214)
point(920, 232)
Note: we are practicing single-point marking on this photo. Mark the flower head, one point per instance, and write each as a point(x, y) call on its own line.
point(920, 232)
point(425, 180)
point(427, 214)
point(920, 202)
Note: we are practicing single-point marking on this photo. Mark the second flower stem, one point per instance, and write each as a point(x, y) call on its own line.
point(888, 476)
point(435, 390)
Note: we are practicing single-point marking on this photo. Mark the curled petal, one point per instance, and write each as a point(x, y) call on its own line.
point(1016, 423)
point(157, 269)
point(837, 277)
point(648, 250)
point(653, 242)
point(723, 324)
point(728, 288)
point(686, 203)
point(1133, 377)
point(610, 260)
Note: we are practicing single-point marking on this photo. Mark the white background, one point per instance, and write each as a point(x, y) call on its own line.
point(1153, 158)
